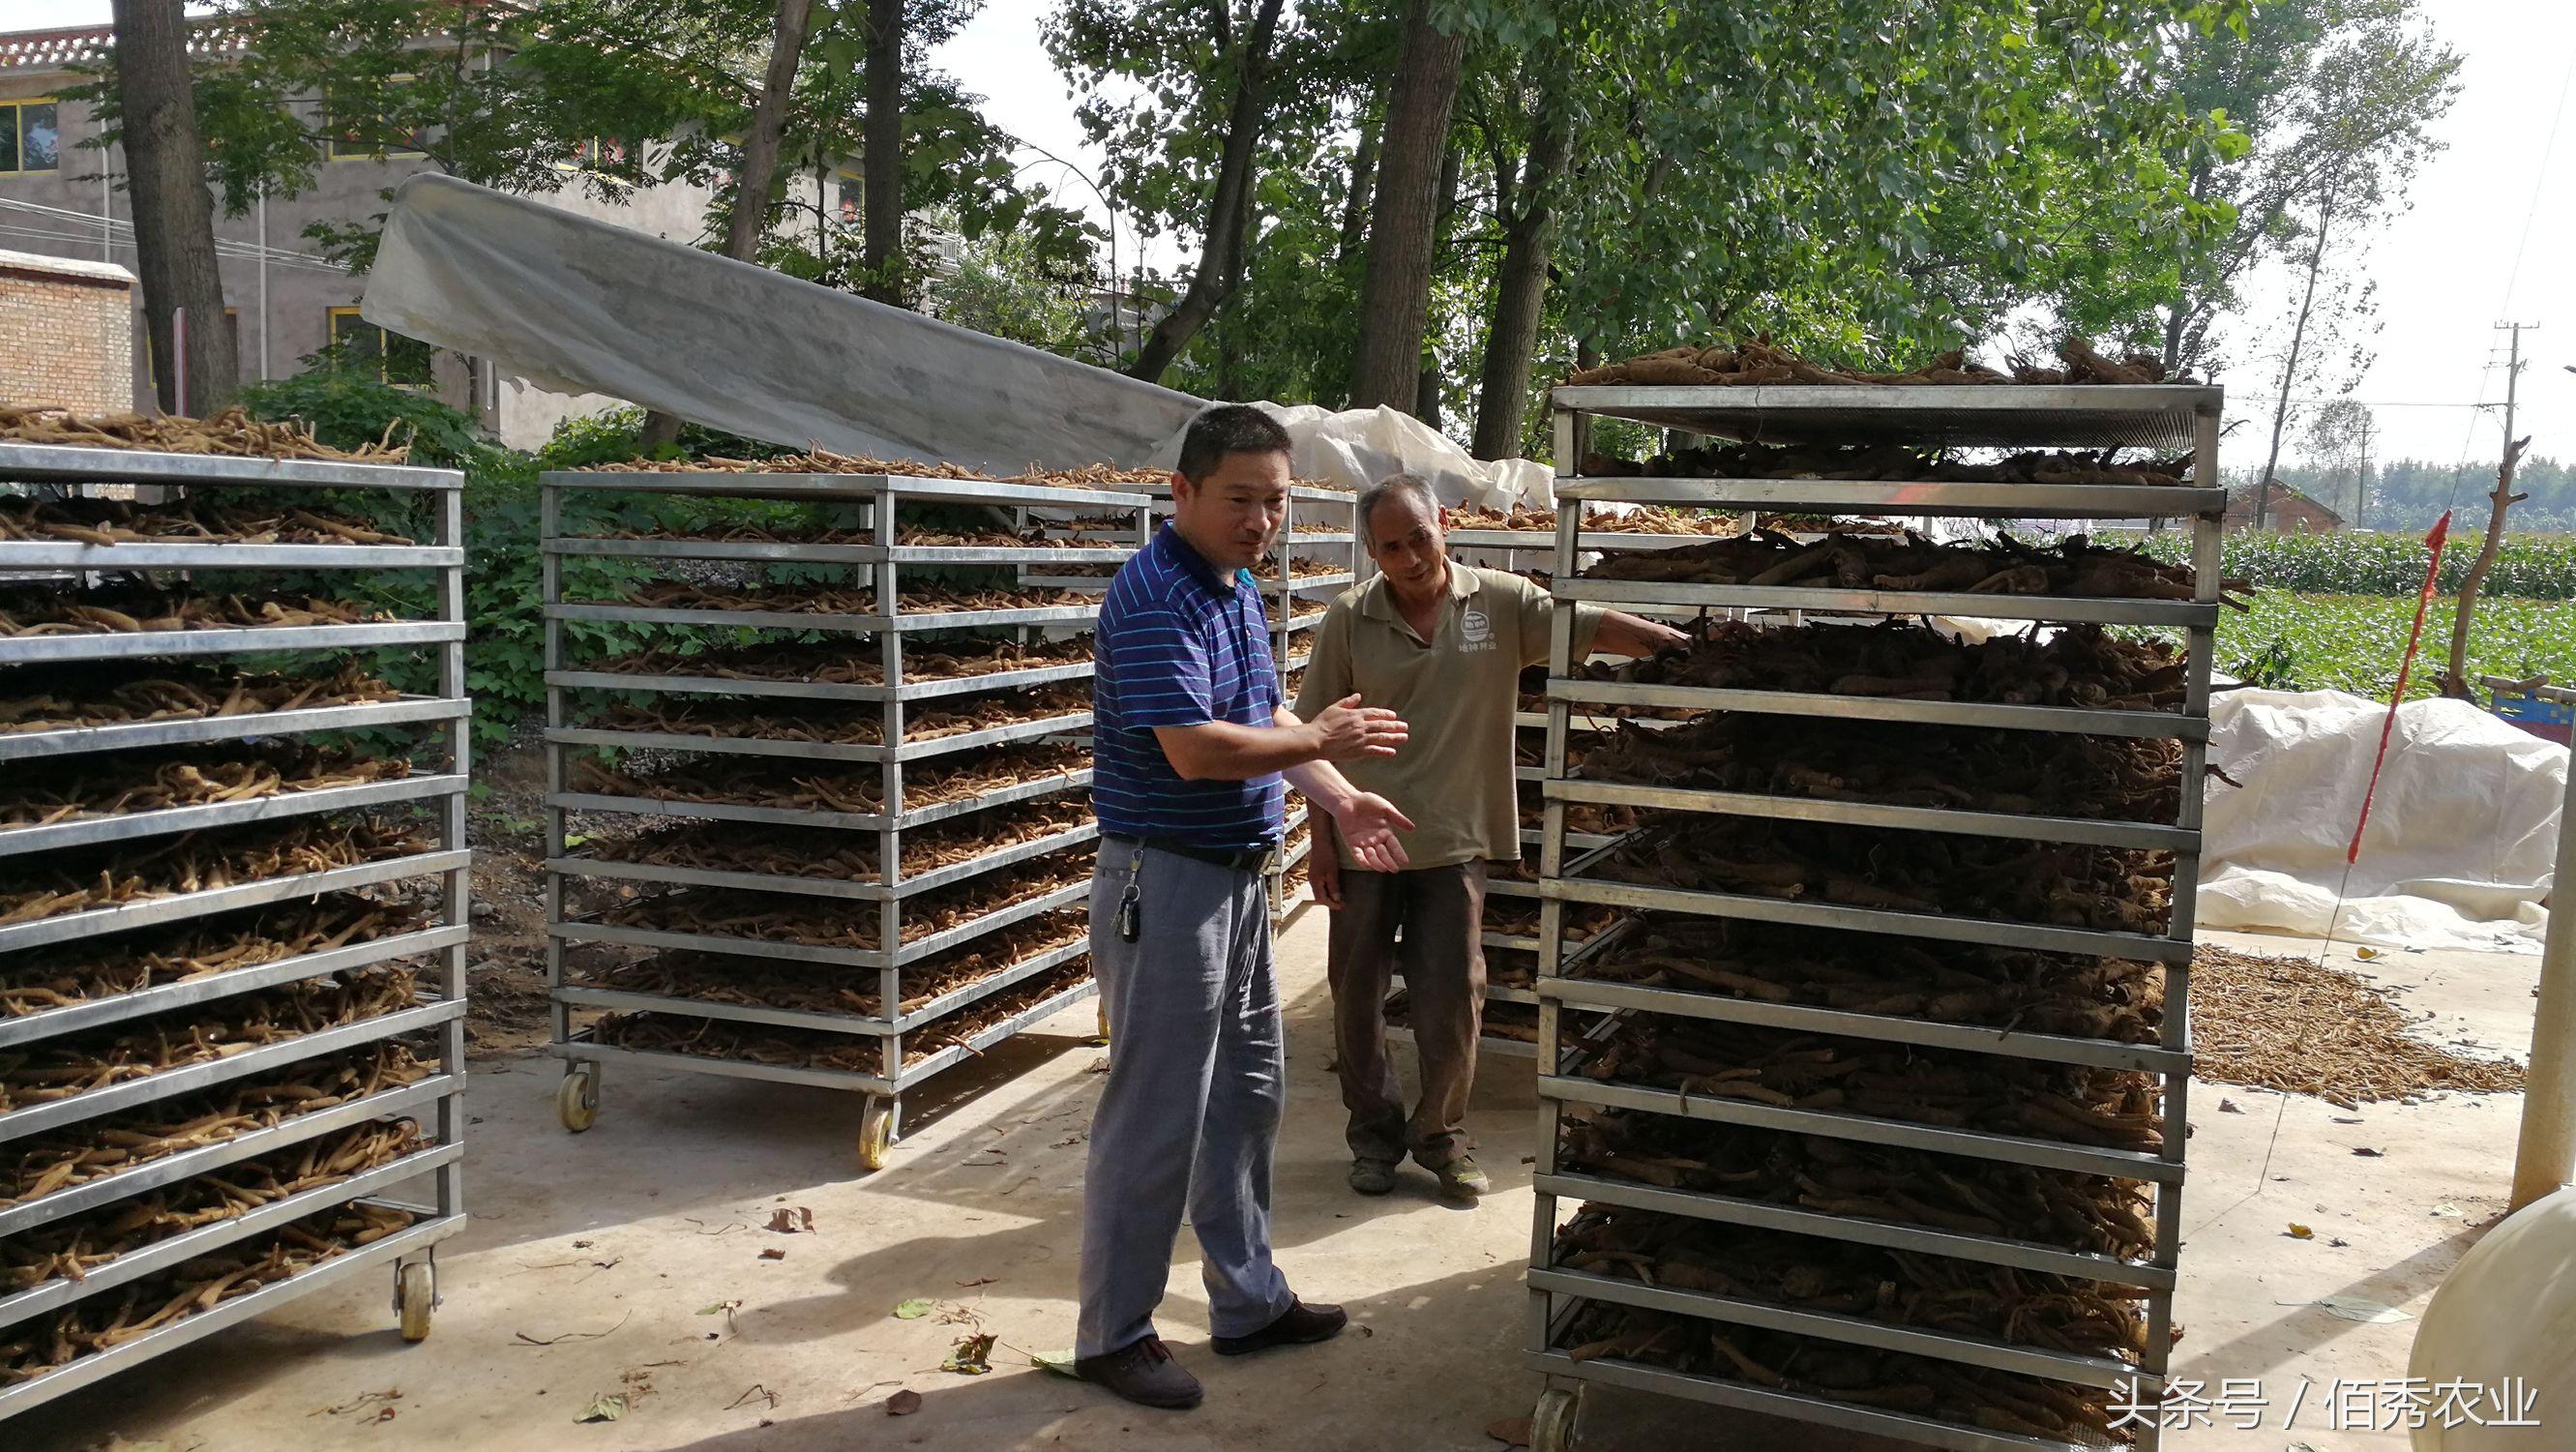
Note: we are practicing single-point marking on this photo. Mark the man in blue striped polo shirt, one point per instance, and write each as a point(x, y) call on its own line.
point(1191, 744)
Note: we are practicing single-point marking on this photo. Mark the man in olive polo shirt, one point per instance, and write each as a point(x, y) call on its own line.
point(1441, 645)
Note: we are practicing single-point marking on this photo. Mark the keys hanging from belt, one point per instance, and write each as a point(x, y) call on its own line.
point(1130, 916)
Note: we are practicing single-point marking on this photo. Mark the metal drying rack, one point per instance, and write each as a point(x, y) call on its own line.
point(435, 1020)
point(2172, 417)
point(881, 503)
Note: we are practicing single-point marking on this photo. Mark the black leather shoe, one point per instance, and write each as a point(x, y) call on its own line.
point(1145, 1373)
point(1299, 1325)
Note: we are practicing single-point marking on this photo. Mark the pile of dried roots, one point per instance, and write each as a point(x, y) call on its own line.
point(2089, 1214)
point(851, 725)
point(94, 1149)
point(76, 1064)
point(822, 1048)
point(29, 613)
point(115, 521)
point(835, 854)
point(104, 1322)
point(1966, 983)
point(232, 431)
point(813, 988)
point(754, 782)
point(1638, 519)
point(196, 778)
point(1518, 917)
point(200, 862)
point(816, 600)
point(70, 1248)
point(80, 972)
point(840, 923)
point(2079, 665)
point(1891, 462)
point(2104, 778)
point(61, 699)
point(828, 663)
point(2002, 879)
point(1760, 362)
point(2002, 566)
point(2113, 1109)
point(2295, 1025)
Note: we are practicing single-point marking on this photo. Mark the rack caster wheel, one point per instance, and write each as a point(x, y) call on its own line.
point(577, 1098)
point(876, 1134)
point(415, 1296)
point(1552, 1425)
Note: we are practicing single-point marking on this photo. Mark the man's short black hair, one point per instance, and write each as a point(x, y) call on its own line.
point(1228, 428)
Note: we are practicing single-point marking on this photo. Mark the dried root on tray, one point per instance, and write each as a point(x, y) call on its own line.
point(1306, 610)
point(2101, 778)
point(108, 1320)
point(815, 600)
point(1510, 967)
point(1035, 537)
point(46, 699)
point(822, 461)
point(1518, 917)
point(77, 1064)
point(1965, 983)
point(202, 862)
point(1838, 1371)
point(1759, 362)
point(827, 663)
point(1300, 567)
point(2075, 567)
point(822, 1048)
point(230, 432)
point(117, 521)
point(754, 782)
point(838, 923)
point(816, 988)
point(72, 1247)
point(1582, 819)
point(2090, 1214)
point(159, 781)
point(2079, 665)
point(2001, 879)
point(830, 853)
point(2108, 1108)
point(1640, 519)
point(857, 724)
point(1835, 1277)
point(42, 1164)
point(26, 614)
point(1890, 462)
point(51, 978)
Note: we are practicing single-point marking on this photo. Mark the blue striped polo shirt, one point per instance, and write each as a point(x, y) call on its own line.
point(1177, 645)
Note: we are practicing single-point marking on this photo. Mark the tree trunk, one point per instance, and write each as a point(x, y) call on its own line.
point(1229, 209)
point(2455, 679)
point(881, 157)
point(749, 218)
point(1426, 383)
point(1395, 299)
point(1520, 286)
point(174, 214)
point(2290, 366)
point(1355, 206)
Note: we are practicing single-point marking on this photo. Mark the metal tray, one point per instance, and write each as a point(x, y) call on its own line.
point(827, 624)
point(912, 689)
point(825, 886)
point(1879, 708)
point(1740, 1396)
point(2177, 614)
point(135, 644)
point(819, 750)
point(87, 831)
point(774, 552)
point(1907, 498)
point(854, 487)
point(2146, 947)
point(586, 931)
point(178, 906)
point(804, 817)
point(2097, 832)
point(81, 464)
point(581, 996)
point(1997, 415)
point(215, 555)
point(69, 741)
point(99, 1012)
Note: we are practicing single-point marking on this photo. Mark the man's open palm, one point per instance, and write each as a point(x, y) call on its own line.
point(1370, 824)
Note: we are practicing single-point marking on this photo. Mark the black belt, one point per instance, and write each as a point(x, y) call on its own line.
point(1238, 859)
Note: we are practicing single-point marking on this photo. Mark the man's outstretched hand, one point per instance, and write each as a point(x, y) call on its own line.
point(1346, 730)
point(1369, 823)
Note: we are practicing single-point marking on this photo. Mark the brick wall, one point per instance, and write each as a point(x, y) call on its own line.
point(66, 334)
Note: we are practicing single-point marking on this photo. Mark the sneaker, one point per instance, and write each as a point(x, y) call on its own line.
point(1460, 1179)
point(1299, 1325)
point(1372, 1177)
point(1145, 1373)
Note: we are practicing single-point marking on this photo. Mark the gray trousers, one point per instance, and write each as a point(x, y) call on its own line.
point(1442, 958)
point(1190, 1117)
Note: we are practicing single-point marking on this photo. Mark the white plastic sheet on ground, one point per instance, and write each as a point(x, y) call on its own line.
point(2461, 837)
point(580, 305)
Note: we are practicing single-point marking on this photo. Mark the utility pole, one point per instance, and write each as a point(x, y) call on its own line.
point(2361, 481)
point(2455, 682)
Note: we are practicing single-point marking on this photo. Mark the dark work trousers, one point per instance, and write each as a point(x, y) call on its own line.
point(1190, 1116)
point(1442, 958)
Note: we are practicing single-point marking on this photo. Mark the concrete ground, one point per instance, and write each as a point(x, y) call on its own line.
point(628, 1261)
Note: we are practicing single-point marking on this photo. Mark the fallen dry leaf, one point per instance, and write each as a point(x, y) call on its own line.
point(773, 1253)
point(1510, 1431)
point(2366, 1152)
point(903, 1403)
point(2229, 1106)
point(972, 1356)
point(604, 1409)
point(791, 1220)
point(2301, 1232)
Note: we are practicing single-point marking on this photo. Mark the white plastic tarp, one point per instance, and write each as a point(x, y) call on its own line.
point(2461, 839)
point(581, 305)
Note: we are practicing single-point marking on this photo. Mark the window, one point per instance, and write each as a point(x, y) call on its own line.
point(849, 185)
point(29, 139)
point(351, 138)
point(394, 358)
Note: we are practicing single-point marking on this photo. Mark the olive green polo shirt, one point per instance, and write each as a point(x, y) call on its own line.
point(1457, 691)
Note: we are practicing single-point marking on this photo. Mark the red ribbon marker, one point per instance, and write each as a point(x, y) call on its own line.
point(2434, 541)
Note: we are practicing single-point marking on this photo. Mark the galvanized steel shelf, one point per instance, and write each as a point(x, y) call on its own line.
point(2172, 417)
point(433, 1022)
point(867, 526)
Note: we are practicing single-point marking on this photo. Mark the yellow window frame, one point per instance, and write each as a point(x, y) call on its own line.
point(384, 338)
point(16, 107)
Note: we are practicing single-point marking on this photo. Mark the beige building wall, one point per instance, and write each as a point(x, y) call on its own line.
point(66, 335)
